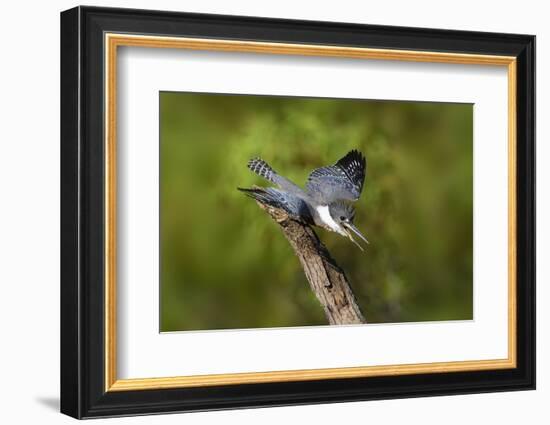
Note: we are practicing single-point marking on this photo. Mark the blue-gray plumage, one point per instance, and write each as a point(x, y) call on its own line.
point(327, 199)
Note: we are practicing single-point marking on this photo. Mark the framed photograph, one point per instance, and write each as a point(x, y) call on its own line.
point(261, 212)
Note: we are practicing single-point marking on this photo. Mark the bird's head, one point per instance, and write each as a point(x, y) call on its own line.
point(343, 214)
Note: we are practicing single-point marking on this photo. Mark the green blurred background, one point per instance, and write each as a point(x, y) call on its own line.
point(225, 263)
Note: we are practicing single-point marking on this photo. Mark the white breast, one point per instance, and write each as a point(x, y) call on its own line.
point(327, 219)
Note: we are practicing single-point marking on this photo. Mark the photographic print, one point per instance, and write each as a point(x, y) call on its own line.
point(308, 199)
point(380, 194)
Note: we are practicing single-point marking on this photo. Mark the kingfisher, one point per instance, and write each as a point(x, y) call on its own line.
point(328, 197)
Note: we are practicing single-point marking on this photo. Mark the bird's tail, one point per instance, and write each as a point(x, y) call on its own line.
point(263, 169)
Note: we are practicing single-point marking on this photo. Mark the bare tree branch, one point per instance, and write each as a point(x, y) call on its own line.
point(325, 277)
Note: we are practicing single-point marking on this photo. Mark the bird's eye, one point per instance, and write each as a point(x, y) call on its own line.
point(342, 218)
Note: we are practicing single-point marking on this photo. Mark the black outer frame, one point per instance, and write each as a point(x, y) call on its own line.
point(82, 218)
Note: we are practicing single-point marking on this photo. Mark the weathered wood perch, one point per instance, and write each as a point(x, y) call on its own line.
point(325, 277)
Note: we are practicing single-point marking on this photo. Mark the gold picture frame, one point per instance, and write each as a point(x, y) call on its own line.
point(114, 41)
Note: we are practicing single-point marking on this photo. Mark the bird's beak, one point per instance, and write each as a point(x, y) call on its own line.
point(350, 226)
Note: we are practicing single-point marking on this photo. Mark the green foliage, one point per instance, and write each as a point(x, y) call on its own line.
point(225, 263)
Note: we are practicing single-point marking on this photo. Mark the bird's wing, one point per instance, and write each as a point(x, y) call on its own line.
point(341, 181)
point(294, 205)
